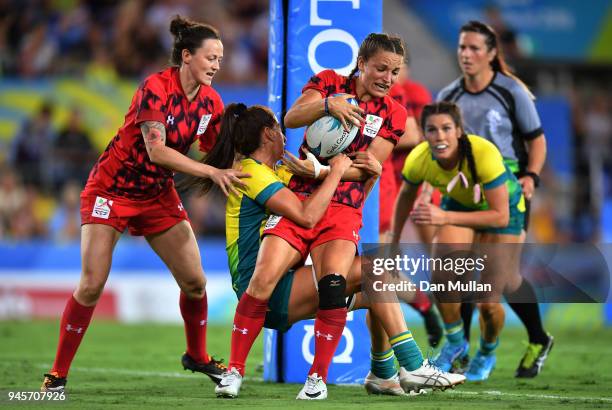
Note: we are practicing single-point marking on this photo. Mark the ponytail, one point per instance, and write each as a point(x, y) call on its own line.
point(240, 133)
point(350, 77)
point(492, 41)
point(465, 152)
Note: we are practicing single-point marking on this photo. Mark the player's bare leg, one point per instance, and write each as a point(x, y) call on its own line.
point(275, 258)
point(97, 244)
point(178, 248)
point(456, 347)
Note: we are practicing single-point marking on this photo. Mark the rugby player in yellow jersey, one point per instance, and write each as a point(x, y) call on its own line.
point(482, 203)
point(287, 294)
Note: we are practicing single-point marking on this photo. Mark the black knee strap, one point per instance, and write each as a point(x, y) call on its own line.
point(331, 292)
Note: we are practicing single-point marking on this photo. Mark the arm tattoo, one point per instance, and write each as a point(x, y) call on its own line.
point(154, 133)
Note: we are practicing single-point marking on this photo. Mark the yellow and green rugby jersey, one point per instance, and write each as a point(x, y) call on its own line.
point(421, 166)
point(245, 217)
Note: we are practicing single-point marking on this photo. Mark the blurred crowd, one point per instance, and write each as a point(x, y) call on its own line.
point(131, 37)
point(46, 165)
point(44, 171)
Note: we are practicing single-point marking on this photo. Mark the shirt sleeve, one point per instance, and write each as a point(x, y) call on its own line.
point(208, 139)
point(412, 172)
point(441, 95)
point(489, 165)
point(399, 94)
point(262, 184)
point(324, 82)
point(150, 101)
point(394, 124)
point(527, 116)
point(284, 174)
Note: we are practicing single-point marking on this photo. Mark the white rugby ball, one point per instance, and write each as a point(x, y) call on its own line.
point(327, 137)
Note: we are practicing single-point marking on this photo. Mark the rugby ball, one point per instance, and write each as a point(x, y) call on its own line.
point(326, 137)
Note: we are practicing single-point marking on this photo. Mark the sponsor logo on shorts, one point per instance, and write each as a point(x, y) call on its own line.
point(102, 208)
point(204, 120)
point(356, 236)
point(372, 125)
point(273, 220)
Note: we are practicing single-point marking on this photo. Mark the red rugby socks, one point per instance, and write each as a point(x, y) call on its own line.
point(73, 325)
point(248, 321)
point(421, 302)
point(195, 316)
point(328, 328)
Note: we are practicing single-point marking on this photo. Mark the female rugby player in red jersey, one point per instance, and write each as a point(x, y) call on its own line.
point(132, 186)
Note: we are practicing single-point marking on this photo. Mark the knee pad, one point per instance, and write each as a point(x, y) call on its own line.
point(331, 292)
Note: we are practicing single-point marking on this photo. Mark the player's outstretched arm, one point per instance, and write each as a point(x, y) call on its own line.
point(403, 204)
point(311, 106)
point(497, 216)
point(154, 134)
point(366, 164)
point(411, 138)
point(536, 156)
point(308, 212)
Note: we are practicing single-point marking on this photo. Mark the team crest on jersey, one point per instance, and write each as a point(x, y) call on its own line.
point(102, 208)
point(494, 119)
point(204, 120)
point(273, 220)
point(372, 125)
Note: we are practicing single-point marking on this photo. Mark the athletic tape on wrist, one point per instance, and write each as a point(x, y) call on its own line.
point(316, 164)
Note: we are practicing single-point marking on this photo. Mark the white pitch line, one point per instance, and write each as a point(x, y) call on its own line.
point(146, 373)
point(531, 396)
point(178, 375)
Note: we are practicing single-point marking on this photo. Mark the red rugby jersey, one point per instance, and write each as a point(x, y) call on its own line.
point(415, 98)
point(412, 96)
point(124, 168)
point(393, 123)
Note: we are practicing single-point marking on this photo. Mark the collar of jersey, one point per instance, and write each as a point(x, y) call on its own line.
point(481, 91)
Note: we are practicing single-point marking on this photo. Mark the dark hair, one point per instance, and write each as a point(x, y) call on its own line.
point(372, 44)
point(189, 35)
point(465, 147)
point(240, 133)
point(492, 42)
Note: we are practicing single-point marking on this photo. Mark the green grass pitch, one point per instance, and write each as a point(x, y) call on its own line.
point(138, 366)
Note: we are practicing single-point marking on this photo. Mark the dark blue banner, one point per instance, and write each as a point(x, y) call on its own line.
point(326, 35)
point(567, 29)
point(318, 35)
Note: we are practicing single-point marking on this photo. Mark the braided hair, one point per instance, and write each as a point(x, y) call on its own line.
point(465, 146)
point(371, 45)
point(240, 133)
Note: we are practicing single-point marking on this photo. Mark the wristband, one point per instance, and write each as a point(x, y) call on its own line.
point(326, 106)
point(534, 176)
point(317, 165)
